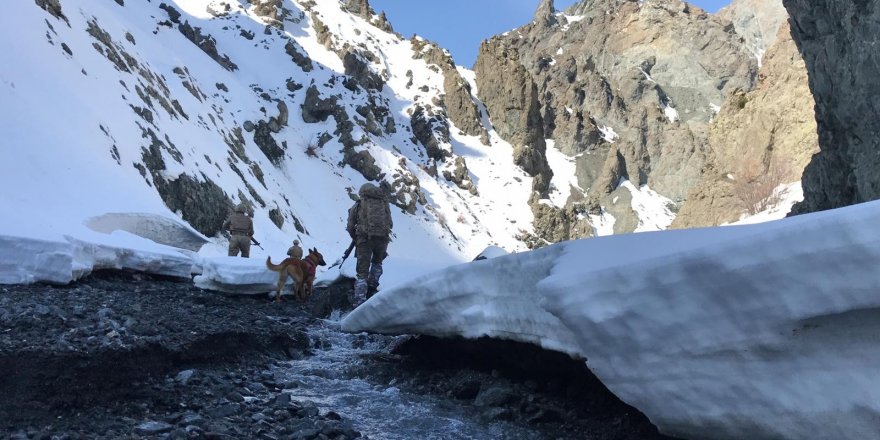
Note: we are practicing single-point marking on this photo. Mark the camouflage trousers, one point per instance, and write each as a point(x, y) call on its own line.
point(240, 243)
point(370, 251)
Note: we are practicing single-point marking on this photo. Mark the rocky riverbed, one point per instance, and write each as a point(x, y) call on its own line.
point(122, 355)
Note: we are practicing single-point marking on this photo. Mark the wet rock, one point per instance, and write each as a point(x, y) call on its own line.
point(305, 433)
point(494, 396)
point(495, 413)
point(227, 410)
point(153, 428)
point(192, 419)
point(308, 409)
point(466, 389)
point(282, 400)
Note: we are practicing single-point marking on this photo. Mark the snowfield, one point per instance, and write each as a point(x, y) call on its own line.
point(765, 331)
point(747, 331)
point(87, 102)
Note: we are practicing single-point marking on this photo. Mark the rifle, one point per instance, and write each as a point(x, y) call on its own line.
point(344, 256)
point(254, 241)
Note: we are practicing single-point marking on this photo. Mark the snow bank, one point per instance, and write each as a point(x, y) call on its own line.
point(29, 260)
point(237, 275)
point(151, 226)
point(756, 331)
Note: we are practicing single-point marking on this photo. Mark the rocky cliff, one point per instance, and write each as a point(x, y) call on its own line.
point(759, 140)
point(757, 21)
point(838, 39)
point(625, 89)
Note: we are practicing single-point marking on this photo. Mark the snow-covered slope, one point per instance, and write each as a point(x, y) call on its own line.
point(179, 110)
point(758, 331)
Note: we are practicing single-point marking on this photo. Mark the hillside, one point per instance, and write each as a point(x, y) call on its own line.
point(181, 110)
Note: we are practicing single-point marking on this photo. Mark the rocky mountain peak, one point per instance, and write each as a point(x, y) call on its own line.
point(359, 7)
point(608, 6)
point(624, 89)
point(545, 15)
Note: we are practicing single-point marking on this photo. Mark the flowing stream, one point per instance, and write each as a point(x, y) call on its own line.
point(382, 411)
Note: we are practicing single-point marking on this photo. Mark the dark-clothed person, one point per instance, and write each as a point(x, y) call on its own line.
point(369, 225)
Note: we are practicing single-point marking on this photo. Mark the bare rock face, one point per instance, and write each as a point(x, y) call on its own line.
point(457, 98)
point(511, 95)
point(771, 129)
point(359, 7)
point(431, 131)
point(758, 21)
point(53, 7)
point(632, 85)
point(838, 39)
point(358, 67)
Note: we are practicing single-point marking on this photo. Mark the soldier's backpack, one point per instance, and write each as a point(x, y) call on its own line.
point(374, 217)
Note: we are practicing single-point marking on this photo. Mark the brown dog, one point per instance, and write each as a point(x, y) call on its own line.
point(302, 272)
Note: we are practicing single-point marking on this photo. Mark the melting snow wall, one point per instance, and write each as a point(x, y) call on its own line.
point(765, 331)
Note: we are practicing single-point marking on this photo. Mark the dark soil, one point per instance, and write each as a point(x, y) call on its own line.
point(124, 355)
point(128, 355)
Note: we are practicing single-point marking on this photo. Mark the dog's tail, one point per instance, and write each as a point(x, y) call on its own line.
point(272, 267)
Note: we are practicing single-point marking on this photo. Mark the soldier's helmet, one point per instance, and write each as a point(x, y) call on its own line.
point(241, 208)
point(366, 189)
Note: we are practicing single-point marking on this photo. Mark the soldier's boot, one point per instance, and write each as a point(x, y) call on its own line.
point(360, 292)
point(373, 279)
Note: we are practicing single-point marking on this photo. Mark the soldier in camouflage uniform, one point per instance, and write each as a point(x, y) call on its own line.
point(241, 229)
point(369, 225)
point(295, 251)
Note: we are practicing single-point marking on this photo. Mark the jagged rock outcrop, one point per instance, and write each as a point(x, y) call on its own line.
point(510, 94)
point(771, 129)
point(357, 66)
point(628, 87)
point(459, 175)
point(757, 21)
point(316, 109)
point(53, 7)
point(359, 7)
point(838, 41)
point(457, 97)
point(294, 50)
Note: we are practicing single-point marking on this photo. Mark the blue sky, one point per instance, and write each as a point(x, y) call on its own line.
point(460, 25)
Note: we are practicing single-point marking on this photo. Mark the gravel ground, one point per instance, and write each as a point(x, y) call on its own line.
point(125, 355)
point(132, 356)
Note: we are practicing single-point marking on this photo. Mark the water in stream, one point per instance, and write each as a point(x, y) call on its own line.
point(381, 411)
